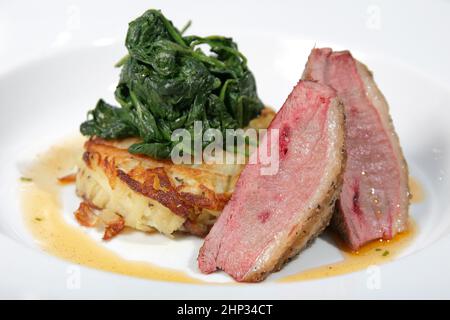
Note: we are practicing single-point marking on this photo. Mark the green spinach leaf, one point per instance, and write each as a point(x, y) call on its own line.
point(168, 82)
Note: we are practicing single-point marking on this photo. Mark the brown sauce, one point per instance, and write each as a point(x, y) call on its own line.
point(374, 253)
point(43, 215)
point(416, 191)
point(42, 208)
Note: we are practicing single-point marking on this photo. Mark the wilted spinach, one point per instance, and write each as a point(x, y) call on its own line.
point(167, 82)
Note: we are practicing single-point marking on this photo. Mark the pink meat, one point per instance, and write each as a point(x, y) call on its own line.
point(375, 198)
point(270, 218)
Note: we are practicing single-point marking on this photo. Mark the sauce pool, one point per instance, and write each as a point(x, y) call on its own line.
point(374, 253)
point(416, 191)
point(43, 215)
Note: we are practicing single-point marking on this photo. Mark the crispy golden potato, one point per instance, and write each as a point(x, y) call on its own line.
point(148, 194)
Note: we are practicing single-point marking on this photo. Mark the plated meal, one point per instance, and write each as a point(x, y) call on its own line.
point(191, 149)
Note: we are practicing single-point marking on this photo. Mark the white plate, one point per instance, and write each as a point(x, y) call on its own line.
point(57, 60)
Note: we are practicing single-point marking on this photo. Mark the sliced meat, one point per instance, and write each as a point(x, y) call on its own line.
point(270, 218)
point(375, 198)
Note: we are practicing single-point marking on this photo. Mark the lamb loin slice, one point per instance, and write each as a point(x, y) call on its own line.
point(270, 218)
point(375, 198)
